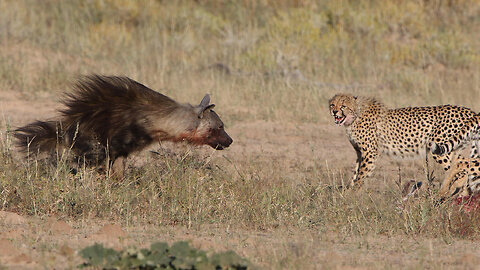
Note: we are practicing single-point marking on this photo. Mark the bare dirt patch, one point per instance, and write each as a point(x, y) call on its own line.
point(9, 218)
point(279, 248)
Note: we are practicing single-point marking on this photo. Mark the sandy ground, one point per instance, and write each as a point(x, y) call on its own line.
point(32, 243)
point(38, 242)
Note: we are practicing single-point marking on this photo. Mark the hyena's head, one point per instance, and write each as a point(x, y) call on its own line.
point(210, 129)
point(343, 108)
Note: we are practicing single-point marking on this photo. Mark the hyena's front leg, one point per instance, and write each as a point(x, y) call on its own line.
point(365, 164)
point(117, 169)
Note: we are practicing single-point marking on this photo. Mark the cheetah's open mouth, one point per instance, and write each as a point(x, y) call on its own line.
point(339, 119)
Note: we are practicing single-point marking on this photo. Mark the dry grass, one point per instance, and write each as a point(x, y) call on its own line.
point(284, 60)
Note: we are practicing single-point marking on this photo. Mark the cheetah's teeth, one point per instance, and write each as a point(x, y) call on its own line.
point(339, 120)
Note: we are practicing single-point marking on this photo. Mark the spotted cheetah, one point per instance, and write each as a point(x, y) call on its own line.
point(463, 179)
point(372, 128)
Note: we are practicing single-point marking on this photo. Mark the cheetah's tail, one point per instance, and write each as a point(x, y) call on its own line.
point(439, 149)
point(469, 132)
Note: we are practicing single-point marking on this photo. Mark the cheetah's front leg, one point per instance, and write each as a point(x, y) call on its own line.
point(365, 164)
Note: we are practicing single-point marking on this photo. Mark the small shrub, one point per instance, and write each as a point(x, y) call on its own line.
point(160, 256)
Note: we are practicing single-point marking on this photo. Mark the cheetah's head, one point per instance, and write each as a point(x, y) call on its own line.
point(343, 109)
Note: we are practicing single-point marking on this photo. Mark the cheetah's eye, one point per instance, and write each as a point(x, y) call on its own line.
point(343, 107)
point(331, 105)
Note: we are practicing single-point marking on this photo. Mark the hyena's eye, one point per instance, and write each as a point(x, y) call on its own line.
point(220, 127)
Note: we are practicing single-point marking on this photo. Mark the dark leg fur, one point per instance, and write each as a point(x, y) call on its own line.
point(131, 139)
point(87, 147)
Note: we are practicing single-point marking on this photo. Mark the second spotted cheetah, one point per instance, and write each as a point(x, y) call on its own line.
point(463, 178)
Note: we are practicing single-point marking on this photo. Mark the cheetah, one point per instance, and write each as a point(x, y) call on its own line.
point(372, 128)
point(463, 179)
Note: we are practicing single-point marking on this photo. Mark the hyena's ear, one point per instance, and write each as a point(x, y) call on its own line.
point(204, 105)
point(201, 111)
point(205, 101)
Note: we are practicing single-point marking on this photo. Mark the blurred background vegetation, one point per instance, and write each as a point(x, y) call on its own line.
point(263, 55)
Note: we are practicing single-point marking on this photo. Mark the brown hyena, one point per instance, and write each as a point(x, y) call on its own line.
point(108, 117)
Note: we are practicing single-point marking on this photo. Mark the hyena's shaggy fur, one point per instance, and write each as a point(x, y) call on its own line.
point(107, 116)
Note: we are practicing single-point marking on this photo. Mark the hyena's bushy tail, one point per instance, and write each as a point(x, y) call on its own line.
point(39, 136)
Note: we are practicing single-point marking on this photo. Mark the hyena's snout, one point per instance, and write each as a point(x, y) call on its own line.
point(219, 139)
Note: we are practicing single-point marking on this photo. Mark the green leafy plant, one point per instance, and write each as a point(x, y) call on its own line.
point(160, 256)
